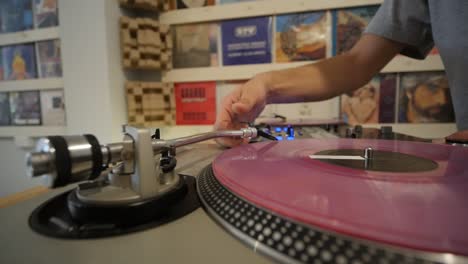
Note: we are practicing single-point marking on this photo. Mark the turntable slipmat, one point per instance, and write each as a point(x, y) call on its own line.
point(289, 206)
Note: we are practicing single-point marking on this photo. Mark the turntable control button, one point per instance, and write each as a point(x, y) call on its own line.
point(386, 130)
point(290, 131)
point(350, 132)
point(358, 129)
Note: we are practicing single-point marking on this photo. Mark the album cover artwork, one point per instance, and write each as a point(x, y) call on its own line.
point(50, 61)
point(196, 45)
point(15, 15)
point(246, 41)
point(362, 106)
point(194, 3)
point(301, 37)
point(53, 107)
point(19, 62)
point(25, 108)
point(46, 13)
point(388, 89)
point(4, 109)
point(348, 25)
point(195, 103)
point(424, 97)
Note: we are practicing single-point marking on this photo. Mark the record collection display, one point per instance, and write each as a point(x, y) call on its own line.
point(30, 61)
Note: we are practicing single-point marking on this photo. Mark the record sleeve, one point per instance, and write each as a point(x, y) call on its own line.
point(4, 109)
point(53, 107)
point(25, 108)
point(196, 45)
point(194, 3)
point(348, 25)
point(362, 105)
point(195, 103)
point(50, 61)
point(15, 15)
point(424, 97)
point(388, 89)
point(46, 13)
point(301, 37)
point(19, 62)
point(246, 41)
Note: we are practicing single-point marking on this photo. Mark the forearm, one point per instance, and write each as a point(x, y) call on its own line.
point(330, 77)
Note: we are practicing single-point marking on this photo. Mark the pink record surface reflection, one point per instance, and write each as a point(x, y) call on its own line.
point(421, 210)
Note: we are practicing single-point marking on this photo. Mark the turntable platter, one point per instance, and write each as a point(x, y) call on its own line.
point(424, 210)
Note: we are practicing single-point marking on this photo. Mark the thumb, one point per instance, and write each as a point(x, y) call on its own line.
point(246, 103)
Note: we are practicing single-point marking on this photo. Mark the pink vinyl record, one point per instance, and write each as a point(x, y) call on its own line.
point(426, 210)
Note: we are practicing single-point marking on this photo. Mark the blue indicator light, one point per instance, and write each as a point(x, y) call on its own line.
point(278, 129)
point(285, 129)
point(279, 137)
point(290, 138)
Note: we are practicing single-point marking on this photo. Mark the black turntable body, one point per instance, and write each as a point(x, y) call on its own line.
point(318, 194)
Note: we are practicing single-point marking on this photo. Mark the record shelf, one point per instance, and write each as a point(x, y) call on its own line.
point(256, 8)
point(37, 84)
point(33, 35)
point(240, 10)
point(243, 72)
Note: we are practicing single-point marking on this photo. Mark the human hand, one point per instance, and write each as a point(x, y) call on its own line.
point(241, 107)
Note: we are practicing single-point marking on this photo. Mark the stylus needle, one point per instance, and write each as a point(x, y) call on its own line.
point(266, 135)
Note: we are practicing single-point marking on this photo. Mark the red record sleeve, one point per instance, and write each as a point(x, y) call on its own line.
point(195, 103)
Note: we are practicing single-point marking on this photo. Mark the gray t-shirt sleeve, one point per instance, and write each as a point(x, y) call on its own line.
point(407, 22)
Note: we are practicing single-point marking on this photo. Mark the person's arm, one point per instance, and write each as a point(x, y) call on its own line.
point(334, 76)
point(314, 82)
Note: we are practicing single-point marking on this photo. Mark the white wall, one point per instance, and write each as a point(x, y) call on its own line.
point(93, 77)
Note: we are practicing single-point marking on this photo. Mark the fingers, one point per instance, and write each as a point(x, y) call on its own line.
point(251, 94)
point(238, 108)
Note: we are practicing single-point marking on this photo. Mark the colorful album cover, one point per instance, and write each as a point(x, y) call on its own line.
point(194, 3)
point(362, 106)
point(4, 109)
point(25, 108)
point(53, 107)
point(301, 37)
point(15, 15)
point(246, 41)
point(196, 46)
point(348, 25)
point(46, 13)
point(19, 62)
point(50, 61)
point(424, 97)
point(195, 103)
point(388, 90)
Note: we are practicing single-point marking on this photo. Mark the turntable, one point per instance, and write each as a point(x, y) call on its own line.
point(361, 199)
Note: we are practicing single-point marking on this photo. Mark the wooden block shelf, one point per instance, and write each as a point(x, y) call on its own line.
point(145, 44)
point(150, 104)
point(149, 5)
